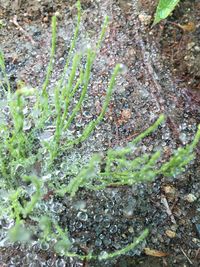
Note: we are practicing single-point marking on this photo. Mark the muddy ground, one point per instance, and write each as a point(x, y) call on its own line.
point(162, 76)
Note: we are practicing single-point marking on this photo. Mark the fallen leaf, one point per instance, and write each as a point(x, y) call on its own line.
point(154, 253)
point(189, 27)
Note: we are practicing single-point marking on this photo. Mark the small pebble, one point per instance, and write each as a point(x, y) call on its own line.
point(190, 198)
point(190, 45)
point(131, 230)
point(197, 48)
point(169, 190)
point(144, 18)
point(58, 15)
point(196, 240)
point(45, 19)
point(170, 233)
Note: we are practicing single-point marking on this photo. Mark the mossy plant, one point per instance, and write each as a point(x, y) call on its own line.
point(21, 149)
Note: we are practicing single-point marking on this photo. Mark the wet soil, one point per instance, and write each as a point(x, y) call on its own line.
point(162, 76)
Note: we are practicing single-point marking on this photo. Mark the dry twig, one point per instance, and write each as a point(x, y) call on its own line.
point(168, 210)
point(186, 256)
point(15, 22)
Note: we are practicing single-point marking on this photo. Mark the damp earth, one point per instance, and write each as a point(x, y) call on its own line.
point(161, 75)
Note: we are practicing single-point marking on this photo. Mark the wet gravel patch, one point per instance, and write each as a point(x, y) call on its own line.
point(107, 220)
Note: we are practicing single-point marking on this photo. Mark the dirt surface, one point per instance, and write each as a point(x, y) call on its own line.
point(162, 76)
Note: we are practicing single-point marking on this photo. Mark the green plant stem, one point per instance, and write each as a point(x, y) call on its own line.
point(3, 69)
point(36, 197)
point(127, 248)
point(72, 45)
point(52, 54)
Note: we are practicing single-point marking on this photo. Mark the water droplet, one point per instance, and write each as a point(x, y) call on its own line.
point(16, 260)
point(183, 138)
point(78, 225)
point(82, 216)
point(80, 205)
point(46, 177)
point(98, 242)
point(123, 69)
point(46, 136)
point(57, 207)
point(7, 223)
point(84, 47)
point(107, 241)
point(113, 229)
point(87, 114)
point(60, 263)
point(103, 255)
point(101, 236)
point(128, 212)
point(36, 263)
point(106, 222)
point(27, 125)
point(44, 246)
point(98, 218)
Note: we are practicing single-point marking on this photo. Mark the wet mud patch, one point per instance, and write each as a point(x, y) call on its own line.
point(152, 84)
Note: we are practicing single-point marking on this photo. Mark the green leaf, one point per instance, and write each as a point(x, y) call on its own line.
point(164, 9)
